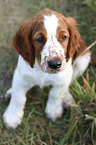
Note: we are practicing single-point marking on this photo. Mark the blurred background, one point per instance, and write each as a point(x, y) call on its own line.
point(12, 12)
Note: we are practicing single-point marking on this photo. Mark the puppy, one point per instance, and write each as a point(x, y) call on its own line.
point(51, 52)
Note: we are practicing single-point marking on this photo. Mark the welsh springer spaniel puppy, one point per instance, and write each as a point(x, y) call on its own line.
point(51, 52)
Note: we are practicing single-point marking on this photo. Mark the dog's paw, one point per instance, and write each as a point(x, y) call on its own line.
point(12, 120)
point(53, 111)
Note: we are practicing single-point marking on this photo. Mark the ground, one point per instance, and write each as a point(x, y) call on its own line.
point(74, 127)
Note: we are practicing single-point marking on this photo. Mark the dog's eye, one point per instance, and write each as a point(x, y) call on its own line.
point(63, 38)
point(41, 40)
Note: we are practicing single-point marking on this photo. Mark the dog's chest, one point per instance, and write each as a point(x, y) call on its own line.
point(45, 79)
point(36, 76)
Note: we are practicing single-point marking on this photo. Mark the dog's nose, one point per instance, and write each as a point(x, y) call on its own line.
point(54, 64)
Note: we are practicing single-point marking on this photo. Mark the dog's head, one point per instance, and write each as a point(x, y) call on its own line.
point(50, 38)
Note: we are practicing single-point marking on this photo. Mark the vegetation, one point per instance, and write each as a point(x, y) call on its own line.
point(78, 123)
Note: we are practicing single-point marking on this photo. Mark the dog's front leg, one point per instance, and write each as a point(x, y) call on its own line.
point(54, 108)
point(14, 112)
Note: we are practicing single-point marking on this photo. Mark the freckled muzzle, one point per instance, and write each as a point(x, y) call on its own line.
point(56, 65)
point(53, 65)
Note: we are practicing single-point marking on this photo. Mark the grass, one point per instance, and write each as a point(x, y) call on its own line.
point(78, 124)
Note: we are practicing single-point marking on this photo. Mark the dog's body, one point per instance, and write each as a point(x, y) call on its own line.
point(51, 53)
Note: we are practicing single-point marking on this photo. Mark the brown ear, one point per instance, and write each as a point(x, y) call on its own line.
point(22, 41)
point(74, 38)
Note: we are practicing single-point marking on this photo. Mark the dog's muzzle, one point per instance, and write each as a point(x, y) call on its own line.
point(53, 65)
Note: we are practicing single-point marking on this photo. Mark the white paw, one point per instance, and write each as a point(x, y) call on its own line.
point(53, 111)
point(12, 120)
point(8, 93)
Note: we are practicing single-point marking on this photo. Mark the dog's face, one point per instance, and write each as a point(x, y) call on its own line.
point(50, 41)
point(50, 38)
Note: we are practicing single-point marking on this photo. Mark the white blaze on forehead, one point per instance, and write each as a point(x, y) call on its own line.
point(51, 24)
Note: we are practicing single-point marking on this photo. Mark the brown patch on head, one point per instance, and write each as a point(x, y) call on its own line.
point(39, 38)
point(25, 40)
point(63, 33)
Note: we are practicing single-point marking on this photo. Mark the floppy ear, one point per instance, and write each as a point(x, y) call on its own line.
point(22, 41)
point(74, 38)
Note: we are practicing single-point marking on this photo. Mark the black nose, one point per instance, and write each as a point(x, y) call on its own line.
point(54, 64)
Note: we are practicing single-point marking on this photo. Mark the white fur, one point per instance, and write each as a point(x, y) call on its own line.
point(26, 77)
point(80, 64)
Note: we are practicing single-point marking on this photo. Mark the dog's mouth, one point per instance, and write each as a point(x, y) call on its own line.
point(52, 71)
